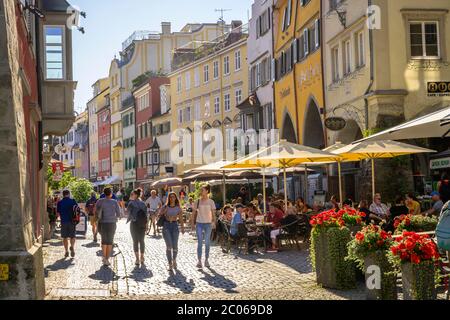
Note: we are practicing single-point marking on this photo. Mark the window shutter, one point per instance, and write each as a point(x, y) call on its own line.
point(317, 33)
point(273, 71)
point(294, 51)
point(306, 41)
point(268, 18)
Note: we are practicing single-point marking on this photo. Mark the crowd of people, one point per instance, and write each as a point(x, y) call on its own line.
point(169, 213)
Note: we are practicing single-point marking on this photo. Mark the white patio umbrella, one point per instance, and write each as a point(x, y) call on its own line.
point(433, 125)
point(377, 150)
point(171, 182)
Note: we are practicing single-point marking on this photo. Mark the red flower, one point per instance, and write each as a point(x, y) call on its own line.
point(415, 258)
point(359, 236)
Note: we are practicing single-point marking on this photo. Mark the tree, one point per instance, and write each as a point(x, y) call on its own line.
point(81, 190)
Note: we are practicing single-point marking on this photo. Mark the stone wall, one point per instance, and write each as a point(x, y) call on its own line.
point(17, 243)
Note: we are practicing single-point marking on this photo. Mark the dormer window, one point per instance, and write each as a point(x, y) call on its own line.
point(54, 52)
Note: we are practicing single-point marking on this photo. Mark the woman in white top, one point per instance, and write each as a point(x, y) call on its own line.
point(204, 218)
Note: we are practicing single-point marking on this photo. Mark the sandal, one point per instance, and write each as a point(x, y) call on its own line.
point(199, 265)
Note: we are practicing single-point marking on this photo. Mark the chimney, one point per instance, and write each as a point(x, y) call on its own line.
point(165, 27)
point(235, 24)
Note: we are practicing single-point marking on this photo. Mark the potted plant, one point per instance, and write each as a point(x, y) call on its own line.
point(329, 238)
point(414, 223)
point(369, 249)
point(416, 255)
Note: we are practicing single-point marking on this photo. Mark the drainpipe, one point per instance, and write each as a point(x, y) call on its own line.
point(274, 110)
point(372, 77)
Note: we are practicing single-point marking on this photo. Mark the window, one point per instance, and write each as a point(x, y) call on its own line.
point(249, 121)
point(347, 57)
point(424, 39)
point(196, 77)
point(188, 81)
point(187, 117)
point(54, 52)
point(268, 116)
point(237, 60)
point(206, 73)
point(304, 2)
point(143, 102)
point(180, 116)
point(335, 63)
point(287, 15)
point(227, 102)
point(317, 33)
point(306, 42)
point(207, 111)
point(179, 84)
point(360, 49)
point(197, 111)
point(263, 23)
point(226, 65)
point(238, 95)
point(216, 105)
point(216, 69)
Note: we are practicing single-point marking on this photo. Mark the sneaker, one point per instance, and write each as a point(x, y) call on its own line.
point(199, 265)
point(207, 264)
point(106, 263)
point(72, 252)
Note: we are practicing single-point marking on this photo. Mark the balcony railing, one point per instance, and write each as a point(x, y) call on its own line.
point(196, 50)
point(140, 35)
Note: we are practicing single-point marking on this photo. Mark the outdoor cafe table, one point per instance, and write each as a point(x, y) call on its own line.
point(263, 227)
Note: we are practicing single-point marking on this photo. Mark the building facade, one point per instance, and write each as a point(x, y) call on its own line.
point(104, 137)
point(206, 89)
point(99, 88)
point(148, 105)
point(378, 77)
point(129, 146)
point(260, 115)
point(37, 101)
point(81, 147)
point(115, 85)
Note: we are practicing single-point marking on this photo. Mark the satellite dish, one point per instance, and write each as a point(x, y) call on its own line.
point(62, 149)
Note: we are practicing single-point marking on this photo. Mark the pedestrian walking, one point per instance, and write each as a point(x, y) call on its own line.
point(204, 219)
point(66, 210)
point(107, 212)
point(172, 215)
point(90, 208)
point(120, 198)
point(52, 217)
point(137, 216)
point(153, 204)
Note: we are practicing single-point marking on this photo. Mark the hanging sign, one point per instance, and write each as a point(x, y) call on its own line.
point(335, 123)
point(58, 170)
point(4, 272)
point(440, 163)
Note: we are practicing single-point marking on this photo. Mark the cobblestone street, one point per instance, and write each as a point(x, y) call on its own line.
point(284, 275)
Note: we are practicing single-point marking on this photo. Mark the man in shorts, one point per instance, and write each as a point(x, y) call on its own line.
point(65, 211)
point(153, 204)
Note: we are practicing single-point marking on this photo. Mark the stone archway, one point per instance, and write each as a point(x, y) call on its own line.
point(313, 132)
point(288, 130)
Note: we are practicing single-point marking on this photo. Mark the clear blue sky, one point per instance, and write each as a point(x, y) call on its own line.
point(110, 22)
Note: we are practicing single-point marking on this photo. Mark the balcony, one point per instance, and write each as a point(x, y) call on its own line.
point(58, 106)
point(197, 50)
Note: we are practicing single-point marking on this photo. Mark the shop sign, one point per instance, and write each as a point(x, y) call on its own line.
point(335, 123)
point(58, 170)
point(440, 163)
point(4, 272)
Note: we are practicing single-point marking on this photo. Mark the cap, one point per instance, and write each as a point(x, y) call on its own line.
point(434, 193)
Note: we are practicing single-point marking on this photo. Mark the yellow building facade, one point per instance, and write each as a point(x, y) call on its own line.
point(299, 101)
point(205, 93)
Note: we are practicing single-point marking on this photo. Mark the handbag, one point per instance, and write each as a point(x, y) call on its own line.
point(162, 217)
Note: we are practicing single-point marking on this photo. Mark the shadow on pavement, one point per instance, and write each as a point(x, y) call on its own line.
point(61, 264)
point(219, 281)
point(140, 274)
point(105, 275)
point(91, 245)
point(178, 280)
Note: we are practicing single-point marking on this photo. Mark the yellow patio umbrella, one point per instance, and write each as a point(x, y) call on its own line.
point(282, 155)
point(377, 150)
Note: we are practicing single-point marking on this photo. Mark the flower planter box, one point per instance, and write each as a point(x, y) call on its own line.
point(386, 289)
point(418, 281)
point(330, 250)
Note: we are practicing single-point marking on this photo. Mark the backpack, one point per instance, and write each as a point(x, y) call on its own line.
point(76, 214)
point(443, 229)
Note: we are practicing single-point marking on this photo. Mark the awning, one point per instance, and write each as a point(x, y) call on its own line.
point(433, 125)
point(114, 180)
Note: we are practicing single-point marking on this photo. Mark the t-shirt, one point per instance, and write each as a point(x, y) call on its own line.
point(237, 219)
point(437, 207)
point(65, 210)
point(276, 217)
point(103, 196)
point(380, 210)
point(205, 210)
point(414, 207)
point(173, 211)
point(153, 203)
point(110, 210)
point(90, 205)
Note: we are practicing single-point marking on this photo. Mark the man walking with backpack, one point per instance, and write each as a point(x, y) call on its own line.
point(90, 208)
point(67, 212)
